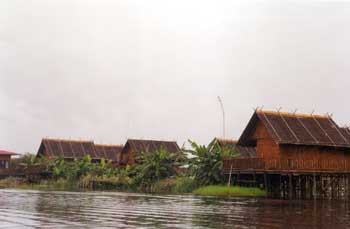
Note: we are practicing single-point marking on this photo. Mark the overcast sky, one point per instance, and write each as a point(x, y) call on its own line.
point(112, 70)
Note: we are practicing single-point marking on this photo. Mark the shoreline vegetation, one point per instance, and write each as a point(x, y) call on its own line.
point(163, 187)
point(156, 172)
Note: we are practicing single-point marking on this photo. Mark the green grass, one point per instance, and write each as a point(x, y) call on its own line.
point(216, 190)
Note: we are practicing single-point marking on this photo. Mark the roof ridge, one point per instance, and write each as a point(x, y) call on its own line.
point(150, 140)
point(116, 145)
point(67, 140)
point(284, 113)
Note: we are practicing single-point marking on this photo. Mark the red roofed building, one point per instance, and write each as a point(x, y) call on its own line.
point(5, 159)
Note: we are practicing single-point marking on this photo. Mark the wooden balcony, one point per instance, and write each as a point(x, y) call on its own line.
point(284, 165)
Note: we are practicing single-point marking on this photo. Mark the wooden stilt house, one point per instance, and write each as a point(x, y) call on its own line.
point(287, 141)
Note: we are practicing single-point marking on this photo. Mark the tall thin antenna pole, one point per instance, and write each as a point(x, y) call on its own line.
point(223, 116)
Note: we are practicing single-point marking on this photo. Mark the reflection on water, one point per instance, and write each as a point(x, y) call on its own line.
point(40, 209)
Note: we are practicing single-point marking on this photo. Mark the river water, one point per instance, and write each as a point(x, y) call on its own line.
point(50, 209)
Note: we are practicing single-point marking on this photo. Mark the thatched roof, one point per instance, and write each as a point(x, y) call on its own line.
point(244, 151)
point(110, 152)
point(137, 145)
point(297, 129)
point(67, 148)
point(70, 149)
point(346, 133)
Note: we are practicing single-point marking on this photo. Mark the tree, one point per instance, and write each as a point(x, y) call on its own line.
point(207, 161)
point(153, 166)
point(27, 160)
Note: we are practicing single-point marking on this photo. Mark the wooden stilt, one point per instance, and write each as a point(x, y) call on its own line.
point(290, 187)
point(238, 179)
point(265, 183)
point(348, 186)
point(280, 186)
point(332, 188)
point(254, 177)
point(229, 178)
point(303, 187)
point(314, 187)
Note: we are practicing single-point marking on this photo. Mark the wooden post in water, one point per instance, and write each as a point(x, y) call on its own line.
point(327, 186)
point(332, 187)
point(229, 178)
point(303, 187)
point(348, 186)
point(265, 183)
point(281, 189)
point(238, 181)
point(314, 187)
point(345, 187)
point(254, 178)
point(290, 186)
point(311, 187)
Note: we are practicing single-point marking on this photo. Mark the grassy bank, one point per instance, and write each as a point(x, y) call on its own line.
point(176, 185)
point(216, 190)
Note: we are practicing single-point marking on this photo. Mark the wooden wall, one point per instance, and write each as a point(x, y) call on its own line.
point(127, 156)
point(265, 145)
point(314, 153)
point(267, 148)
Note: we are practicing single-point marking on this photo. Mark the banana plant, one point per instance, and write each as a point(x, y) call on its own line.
point(206, 162)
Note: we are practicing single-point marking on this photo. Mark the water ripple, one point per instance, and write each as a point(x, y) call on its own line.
point(40, 209)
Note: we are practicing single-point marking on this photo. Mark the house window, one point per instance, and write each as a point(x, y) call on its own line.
point(4, 164)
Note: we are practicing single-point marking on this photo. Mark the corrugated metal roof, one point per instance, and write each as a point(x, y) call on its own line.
point(110, 152)
point(244, 151)
point(68, 148)
point(297, 129)
point(138, 145)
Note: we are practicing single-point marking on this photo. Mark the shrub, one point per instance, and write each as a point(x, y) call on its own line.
point(184, 185)
point(216, 190)
point(153, 167)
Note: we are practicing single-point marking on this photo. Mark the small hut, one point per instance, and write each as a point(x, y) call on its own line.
point(135, 146)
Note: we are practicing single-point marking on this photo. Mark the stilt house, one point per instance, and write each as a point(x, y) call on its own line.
point(288, 141)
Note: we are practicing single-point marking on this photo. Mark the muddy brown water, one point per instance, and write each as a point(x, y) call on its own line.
point(51, 209)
